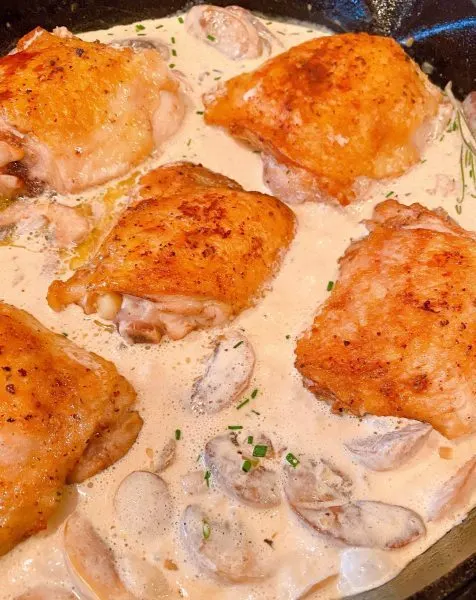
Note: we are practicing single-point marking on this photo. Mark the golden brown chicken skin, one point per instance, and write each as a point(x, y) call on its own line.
point(330, 115)
point(397, 335)
point(65, 414)
point(197, 250)
point(74, 114)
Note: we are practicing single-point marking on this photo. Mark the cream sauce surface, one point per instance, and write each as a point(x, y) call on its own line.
point(282, 408)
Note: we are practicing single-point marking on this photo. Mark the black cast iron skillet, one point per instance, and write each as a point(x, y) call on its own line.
point(443, 34)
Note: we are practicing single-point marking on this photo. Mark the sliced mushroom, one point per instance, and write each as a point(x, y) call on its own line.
point(143, 506)
point(90, 562)
point(268, 38)
point(315, 483)
point(390, 450)
point(46, 593)
point(145, 581)
point(225, 456)
point(453, 491)
point(366, 523)
point(137, 44)
point(227, 374)
point(220, 546)
point(167, 456)
point(229, 32)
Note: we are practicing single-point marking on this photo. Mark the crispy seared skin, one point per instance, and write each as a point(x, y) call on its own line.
point(84, 112)
point(333, 110)
point(65, 414)
point(196, 235)
point(397, 335)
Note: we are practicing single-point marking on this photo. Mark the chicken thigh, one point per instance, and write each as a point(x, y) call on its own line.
point(331, 115)
point(75, 114)
point(195, 251)
point(397, 335)
point(65, 414)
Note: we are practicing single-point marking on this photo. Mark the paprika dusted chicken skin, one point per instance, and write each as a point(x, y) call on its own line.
point(74, 114)
point(331, 115)
point(397, 335)
point(194, 252)
point(65, 414)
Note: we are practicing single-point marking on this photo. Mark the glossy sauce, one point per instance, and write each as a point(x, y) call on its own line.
point(282, 408)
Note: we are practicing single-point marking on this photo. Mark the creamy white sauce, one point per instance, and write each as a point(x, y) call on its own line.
point(291, 416)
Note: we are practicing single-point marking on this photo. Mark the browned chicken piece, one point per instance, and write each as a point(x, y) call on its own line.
point(193, 253)
point(75, 114)
point(65, 414)
point(331, 115)
point(397, 335)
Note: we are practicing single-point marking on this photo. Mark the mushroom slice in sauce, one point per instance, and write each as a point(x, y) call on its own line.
point(46, 593)
point(227, 374)
point(167, 456)
point(231, 33)
point(390, 450)
point(453, 491)
point(148, 44)
point(143, 505)
point(145, 581)
point(220, 546)
point(315, 482)
point(90, 562)
point(225, 455)
point(366, 523)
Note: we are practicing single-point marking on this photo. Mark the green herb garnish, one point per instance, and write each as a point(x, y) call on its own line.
point(239, 343)
point(212, 38)
point(245, 401)
point(250, 439)
point(174, 52)
point(140, 27)
point(235, 427)
point(292, 460)
point(260, 451)
point(246, 466)
point(330, 285)
point(206, 530)
point(389, 194)
point(254, 393)
point(178, 434)
point(180, 20)
point(207, 477)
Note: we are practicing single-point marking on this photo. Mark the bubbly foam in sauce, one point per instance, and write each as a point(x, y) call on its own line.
point(296, 559)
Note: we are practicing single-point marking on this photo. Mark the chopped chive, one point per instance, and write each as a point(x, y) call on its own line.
point(206, 530)
point(172, 65)
point(178, 434)
point(330, 285)
point(217, 78)
point(189, 141)
point(256, 412)
point(174, 52)
point(173, 40)
point(254, 393)
point(159, 26)
point(140, 27)
point(199, 112)
point(207, 477)
point(260, 451)
point(212, 38)
point(239, 343)
point(389, 194)
point(245, 401)
point(250, 439)
point(65, 334)
point(292, 460)
point(246, 466)
point(180, 20)
point(235, 427)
